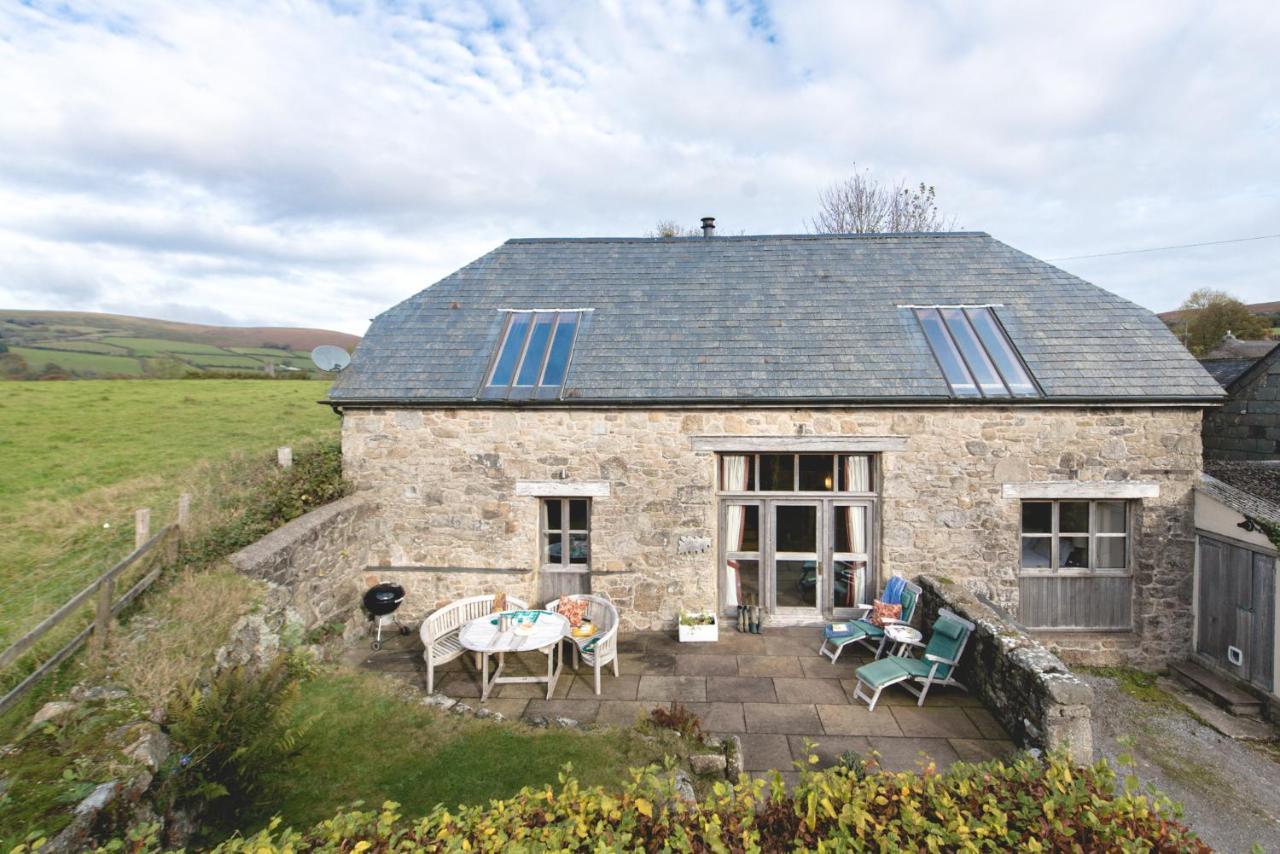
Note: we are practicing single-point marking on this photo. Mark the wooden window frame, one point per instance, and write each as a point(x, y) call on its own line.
point(1056, 534)
point(873, 463)
point(566, 533)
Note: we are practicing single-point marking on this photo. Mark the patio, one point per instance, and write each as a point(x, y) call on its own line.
point(771, 690)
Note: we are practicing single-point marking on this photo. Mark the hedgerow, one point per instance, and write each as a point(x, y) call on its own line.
point(1026, 804)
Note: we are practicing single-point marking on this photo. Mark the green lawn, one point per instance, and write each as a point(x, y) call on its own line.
point(82, 346)
point(80, 362)
point(226, 360)
point(370, 744)
point(163, 346)
point(81, 455)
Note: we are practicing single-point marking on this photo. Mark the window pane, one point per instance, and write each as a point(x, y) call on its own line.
point(1001, 350)
point(554, 551)
point(796, 583)
point(854, 473)
point(750, 539)
point(1035, 552)
point(1073, 517)
point(850, 575)
point(742, 582)
point(1037, 517)
point(578, 514)
point(738, 473)
point(983, 371)
point(537, 347)
point(851, 530)
point(817, 472)
point(777, 472)
point(579, 551)
point(1111, 517)
point(797, 528)
point(1073, 553)
point(505, 367)
point(561, 347)
point(553, 514)
point(1111, 552)
point(948, 356)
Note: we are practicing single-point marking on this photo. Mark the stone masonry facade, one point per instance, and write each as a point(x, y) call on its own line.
point(445, 481)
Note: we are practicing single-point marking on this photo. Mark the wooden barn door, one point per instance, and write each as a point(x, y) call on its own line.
point(1236, 610)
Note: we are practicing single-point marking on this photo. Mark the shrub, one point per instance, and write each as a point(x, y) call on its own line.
point(1025, 805)
point(677, 718)
point(229, 735)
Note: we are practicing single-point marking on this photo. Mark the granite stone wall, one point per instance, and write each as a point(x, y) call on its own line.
point(318, 558)
point(445, 482)
point(1035, 697)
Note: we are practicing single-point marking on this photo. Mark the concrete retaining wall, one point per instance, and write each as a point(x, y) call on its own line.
point(318, 557)
point(1038, 700)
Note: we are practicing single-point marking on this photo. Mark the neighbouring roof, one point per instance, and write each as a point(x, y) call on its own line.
point(1239, 500)
point(1260, 479)
point(1227, 371)
point(807, 318)
point(1231, 347)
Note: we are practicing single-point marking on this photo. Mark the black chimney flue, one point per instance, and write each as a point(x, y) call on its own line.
point(708, 226)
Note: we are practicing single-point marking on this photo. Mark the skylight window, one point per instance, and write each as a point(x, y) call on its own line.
point(974, 353)
point(533, 356)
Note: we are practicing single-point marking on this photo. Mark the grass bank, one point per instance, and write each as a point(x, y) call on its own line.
point(81, 456)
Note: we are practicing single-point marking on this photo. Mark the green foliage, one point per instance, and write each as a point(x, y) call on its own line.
point(1139, 684)
point(228, 735)
point(279, 496)
point(698, 619)
point(1212, 315)
point(1024, 805)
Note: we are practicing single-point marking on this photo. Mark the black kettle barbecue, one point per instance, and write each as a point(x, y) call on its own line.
point(381, 601)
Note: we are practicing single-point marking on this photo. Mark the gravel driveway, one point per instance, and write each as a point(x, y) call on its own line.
point(1230, 790)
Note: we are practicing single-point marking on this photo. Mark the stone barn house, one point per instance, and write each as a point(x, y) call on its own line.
point(690, 424)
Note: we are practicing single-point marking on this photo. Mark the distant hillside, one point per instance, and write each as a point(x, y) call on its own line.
point(52, 344)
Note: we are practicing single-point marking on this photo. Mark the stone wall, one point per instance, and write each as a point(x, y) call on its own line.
point(445, 481)
point(1247, 426)
point(1032, 693)
point(318, 558)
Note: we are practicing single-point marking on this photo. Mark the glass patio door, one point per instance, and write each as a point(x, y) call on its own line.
point(796, 557)
point(850, 556)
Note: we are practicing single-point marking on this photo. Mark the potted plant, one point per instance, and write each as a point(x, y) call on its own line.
point(699, 627)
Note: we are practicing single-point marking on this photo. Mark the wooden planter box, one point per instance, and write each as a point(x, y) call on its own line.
point(700, 634)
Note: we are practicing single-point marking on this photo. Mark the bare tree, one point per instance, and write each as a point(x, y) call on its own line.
point(861, 204)
point(671, 228)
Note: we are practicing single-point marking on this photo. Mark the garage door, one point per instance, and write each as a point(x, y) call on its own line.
point(1236, 624)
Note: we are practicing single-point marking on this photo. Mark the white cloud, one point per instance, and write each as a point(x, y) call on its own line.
point(292, 162)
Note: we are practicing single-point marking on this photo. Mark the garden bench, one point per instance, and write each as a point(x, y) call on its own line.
point(440, 643)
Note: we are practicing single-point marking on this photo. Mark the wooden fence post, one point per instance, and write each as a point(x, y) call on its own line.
point(284, 456)
point(184, 513)
point(102, 618)
point(141, 527)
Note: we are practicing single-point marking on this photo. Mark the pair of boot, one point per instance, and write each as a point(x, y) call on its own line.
point(749, 619)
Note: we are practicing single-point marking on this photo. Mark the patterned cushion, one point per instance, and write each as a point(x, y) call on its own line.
point(880, 612)
point(573, 610)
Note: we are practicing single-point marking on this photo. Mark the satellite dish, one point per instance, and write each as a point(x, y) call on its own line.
point(331, 358)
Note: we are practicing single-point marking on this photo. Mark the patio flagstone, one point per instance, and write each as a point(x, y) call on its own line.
point(788, 718)
point(911, 754)
point(769, 665)
point(801, 690)
point(706, 665)
point(741, 689)
point(686, 689)
point(939, 723)
point(843, 719)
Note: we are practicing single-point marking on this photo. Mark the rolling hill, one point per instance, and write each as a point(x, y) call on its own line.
point(67, 344)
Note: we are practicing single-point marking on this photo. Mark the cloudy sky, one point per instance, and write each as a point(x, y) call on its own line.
point(311, 164)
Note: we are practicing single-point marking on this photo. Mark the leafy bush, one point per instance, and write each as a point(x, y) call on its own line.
point(677, 718)
point(1025, 805)
point(280, 495)
point(230, 734)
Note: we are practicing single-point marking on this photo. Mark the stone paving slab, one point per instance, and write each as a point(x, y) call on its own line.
point(772, 690)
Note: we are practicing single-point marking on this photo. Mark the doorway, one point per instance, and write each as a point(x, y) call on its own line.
point(1236, 610)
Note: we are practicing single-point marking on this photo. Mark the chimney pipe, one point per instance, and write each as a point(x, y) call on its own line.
point(708, 226)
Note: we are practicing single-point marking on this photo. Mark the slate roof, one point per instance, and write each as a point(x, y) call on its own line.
point(1242, 501)
point(801, 318)
point(1259, 478)
point(1227, 371)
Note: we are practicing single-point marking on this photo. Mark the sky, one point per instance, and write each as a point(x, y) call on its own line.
point(312, 164)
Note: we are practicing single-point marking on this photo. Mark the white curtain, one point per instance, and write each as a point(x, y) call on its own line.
point(857, 477)
point(735, 478)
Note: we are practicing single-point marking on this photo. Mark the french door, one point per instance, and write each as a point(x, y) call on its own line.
point(796, 558)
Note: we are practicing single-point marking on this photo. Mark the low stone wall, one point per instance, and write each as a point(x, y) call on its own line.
point(318, 557)
point(1038, 700)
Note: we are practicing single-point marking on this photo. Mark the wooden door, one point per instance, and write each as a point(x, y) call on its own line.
point(1236, 610)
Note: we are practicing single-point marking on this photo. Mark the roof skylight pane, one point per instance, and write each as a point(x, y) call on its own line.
point(944, 349)
point(978, 362)
point(531, 366)
point(561, 347)
point(517, 331)
point(1001, 350)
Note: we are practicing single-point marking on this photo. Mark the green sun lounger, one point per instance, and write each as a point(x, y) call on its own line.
point(862, 631)
point(937, 667)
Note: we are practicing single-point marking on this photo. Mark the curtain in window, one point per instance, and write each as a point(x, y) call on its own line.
point(857, 475)
point(735, 478)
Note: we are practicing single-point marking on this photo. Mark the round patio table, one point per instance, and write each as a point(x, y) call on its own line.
point(481, 635)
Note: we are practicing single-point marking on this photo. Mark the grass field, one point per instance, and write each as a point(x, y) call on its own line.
point(80, 362)
point(158, 346)
point(83, 455)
